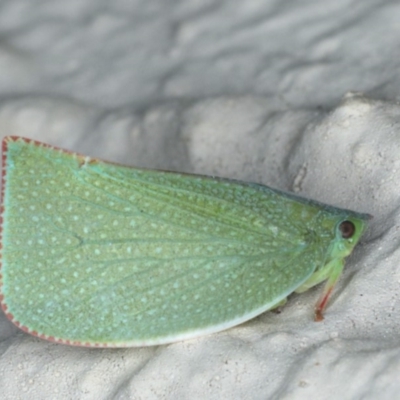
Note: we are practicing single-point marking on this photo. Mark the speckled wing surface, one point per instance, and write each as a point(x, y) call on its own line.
point(99, 254)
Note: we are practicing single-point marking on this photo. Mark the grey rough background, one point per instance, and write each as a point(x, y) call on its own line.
point(250, 90)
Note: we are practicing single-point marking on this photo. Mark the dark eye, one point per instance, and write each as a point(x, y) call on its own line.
point(347, 229)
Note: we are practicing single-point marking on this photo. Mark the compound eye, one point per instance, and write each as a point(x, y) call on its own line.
point(347, 229)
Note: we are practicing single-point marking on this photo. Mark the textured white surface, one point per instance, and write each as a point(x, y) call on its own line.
point(249, 90)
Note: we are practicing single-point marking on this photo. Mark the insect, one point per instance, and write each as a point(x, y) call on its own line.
point(99, 254)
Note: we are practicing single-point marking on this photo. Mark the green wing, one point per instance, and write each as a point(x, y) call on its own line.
point(104, 255)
